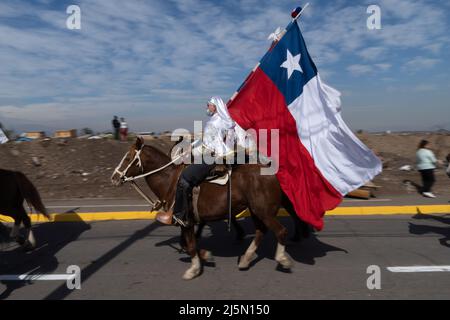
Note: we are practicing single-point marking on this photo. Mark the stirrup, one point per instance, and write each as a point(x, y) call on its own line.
point(158, 205)
point(180, 222)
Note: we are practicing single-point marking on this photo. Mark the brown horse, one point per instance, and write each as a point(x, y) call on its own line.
point(14, 189)
point(260, 194)
point(302, 230)
point(240, 233)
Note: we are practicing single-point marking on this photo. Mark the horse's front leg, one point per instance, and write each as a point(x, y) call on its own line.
point(15, 231)
point(30, 243)
point(200, 228)
point(250, 254)
point(191, 246)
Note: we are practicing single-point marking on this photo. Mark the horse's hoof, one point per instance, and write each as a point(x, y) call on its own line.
point(285, 262)
point(191, 274)
point(28, 246)
point(282, 269)
point(243, 267)
point(244, 263)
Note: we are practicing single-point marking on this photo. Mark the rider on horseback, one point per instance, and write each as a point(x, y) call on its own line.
point(219, 128)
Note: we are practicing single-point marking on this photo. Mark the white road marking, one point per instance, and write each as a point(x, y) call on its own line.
point(72, 278)
point(420, 269)
point(37, 277)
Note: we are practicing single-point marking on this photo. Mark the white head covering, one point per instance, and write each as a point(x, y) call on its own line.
point(222, 111)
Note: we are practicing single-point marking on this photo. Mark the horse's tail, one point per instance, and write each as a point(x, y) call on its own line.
point(30, 193)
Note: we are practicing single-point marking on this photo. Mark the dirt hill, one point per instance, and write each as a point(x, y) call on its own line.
point(71, 168)
point(80, 168)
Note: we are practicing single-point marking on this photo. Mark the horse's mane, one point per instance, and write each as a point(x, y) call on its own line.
point(157, 154)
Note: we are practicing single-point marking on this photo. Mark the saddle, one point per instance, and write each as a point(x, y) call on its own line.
point(219, 175)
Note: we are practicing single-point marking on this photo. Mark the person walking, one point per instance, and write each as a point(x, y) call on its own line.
point(123, 129)
point(116, 127)
point(426, 164)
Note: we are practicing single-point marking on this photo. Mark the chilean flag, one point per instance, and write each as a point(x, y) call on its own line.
point(320, 159)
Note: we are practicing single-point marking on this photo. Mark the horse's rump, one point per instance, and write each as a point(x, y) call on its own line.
point(9, 189)
point(30, 193)
point(15, 187)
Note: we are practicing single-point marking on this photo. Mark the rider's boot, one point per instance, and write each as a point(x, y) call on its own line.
point(181, 206)
point(168, 218)
point(165, 217)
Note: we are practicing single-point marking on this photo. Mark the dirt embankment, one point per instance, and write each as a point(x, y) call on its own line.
point(78, 168)
point(72, 168)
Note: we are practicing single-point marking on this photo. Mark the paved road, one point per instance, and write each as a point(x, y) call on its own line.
point(107, 205)
point(139, 260)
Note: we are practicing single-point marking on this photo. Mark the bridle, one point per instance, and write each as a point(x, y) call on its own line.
point(156, 204)
point(123, 174)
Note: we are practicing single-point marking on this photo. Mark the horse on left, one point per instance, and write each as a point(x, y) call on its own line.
point(15, 187)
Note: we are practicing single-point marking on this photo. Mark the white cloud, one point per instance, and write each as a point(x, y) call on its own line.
point(383, 66)
point(363, 69)
point(372, 53)
point(159, 55)
point(341, 30)
point(420, 63)
point(360, 69)
point(435, 47)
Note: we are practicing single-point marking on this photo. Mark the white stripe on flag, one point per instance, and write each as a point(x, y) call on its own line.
point(339, 155)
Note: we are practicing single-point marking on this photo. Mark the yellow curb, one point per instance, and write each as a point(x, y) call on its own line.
point(91, 216)
point(376, 210)
point(146, 215)
point(389, 210)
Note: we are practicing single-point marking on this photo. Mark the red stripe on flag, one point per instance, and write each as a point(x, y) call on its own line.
point(260, 105)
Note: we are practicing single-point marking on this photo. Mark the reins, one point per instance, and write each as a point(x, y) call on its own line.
point(155, 204)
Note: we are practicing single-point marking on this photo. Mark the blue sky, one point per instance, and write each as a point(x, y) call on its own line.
point(157, 62)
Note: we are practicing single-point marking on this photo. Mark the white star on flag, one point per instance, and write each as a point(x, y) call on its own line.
point(292, 63)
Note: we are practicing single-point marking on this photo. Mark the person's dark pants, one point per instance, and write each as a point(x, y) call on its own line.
point(191, 177)
point(116, 133)
point(428, 179)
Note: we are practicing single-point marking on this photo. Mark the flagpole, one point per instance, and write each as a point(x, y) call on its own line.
point(300, 13)
point(281, 37)
point(293, 20)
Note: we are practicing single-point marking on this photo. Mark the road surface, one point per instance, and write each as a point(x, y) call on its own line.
point(140, 260)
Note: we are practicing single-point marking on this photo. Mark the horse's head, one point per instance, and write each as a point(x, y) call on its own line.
point(131, 164)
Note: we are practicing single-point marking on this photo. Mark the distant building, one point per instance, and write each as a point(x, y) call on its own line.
point(35, 134)
point(66, 133)
point(146, 133)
